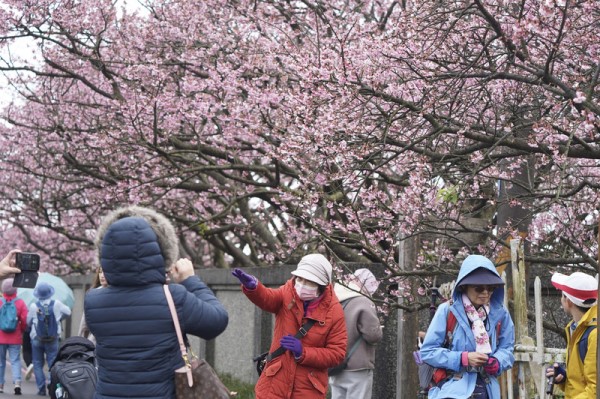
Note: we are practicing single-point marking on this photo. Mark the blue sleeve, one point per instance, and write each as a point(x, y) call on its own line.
point(200, 312)
point(432, 351)
point(504, 350)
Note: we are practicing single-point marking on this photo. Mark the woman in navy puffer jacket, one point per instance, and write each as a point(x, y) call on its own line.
point(137, 346)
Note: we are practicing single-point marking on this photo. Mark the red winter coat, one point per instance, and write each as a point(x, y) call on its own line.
point(15, 337)
point(324, 346)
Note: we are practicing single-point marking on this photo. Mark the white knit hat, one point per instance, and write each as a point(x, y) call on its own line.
point(7, 286)
point(315, 268)
point(367, 279)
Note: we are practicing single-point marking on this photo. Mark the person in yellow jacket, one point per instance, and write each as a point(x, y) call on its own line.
point(579, 300)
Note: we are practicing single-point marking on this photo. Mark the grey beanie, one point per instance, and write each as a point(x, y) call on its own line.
point(315, 268)
point(7, 286)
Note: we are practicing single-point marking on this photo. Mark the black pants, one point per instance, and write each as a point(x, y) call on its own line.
point(26, 348)
point(480, 391)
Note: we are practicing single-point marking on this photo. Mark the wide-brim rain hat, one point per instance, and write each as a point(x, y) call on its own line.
point(43, 291)
point(481, 276)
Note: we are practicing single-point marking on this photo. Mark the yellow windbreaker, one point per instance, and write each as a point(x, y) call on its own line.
point(581, 376)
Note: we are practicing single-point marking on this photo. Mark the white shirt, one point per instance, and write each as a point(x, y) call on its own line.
point(61, 311)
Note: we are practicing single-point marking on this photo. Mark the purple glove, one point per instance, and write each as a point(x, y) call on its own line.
point(292, 344)
point(492, 366)
point(247, 280)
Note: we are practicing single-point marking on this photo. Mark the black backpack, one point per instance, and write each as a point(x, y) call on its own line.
point(73, 375)
point(583, 342)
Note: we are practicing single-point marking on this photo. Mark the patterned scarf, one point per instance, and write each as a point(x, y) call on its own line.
point(482, 339)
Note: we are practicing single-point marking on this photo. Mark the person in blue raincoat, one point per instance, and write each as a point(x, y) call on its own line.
point(483, 339)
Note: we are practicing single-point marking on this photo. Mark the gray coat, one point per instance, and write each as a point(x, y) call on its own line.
point(361, 320)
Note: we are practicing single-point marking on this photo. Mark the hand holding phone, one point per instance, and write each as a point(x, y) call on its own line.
point(7, 264)
point(29, 263)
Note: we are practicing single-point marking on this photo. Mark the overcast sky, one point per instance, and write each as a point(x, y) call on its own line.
point(25, 48)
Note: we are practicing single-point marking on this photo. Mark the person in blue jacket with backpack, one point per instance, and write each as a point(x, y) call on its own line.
point(44, 319)
point(481, 345)
point(136, 343)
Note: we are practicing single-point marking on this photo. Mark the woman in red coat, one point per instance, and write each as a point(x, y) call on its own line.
point(301, 371)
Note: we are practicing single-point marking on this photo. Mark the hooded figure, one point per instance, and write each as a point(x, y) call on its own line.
point(364, 332)
point(136, 343)
point(300, 372)
point(473, 365)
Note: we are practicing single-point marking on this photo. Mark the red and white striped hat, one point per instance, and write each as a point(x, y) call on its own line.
point(578, 287)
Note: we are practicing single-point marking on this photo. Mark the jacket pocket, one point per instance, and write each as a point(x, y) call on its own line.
point(315, 381)
point(272, 368)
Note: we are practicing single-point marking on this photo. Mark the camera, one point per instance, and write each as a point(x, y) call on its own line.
point(28, 262)
point(550, 384)
point(474, 369)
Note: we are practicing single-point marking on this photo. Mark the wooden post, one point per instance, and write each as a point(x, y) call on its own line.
point(539, 338)
point(506, 392)
point(407, 380)
point(520, 301)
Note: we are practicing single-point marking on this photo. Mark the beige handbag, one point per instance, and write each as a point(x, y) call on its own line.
point(196, 379)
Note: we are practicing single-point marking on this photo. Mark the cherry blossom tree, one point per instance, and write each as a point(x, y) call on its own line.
point(266, 129)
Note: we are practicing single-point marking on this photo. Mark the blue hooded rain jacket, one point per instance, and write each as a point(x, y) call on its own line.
point(462, 384)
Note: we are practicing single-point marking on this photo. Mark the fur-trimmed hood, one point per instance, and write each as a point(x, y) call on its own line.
point(135, 246)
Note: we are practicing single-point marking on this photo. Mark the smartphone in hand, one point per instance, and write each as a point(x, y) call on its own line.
point(29, 263)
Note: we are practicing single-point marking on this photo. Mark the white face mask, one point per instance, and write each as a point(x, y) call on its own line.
point(305, 292)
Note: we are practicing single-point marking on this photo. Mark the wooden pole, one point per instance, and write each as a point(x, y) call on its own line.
point(520, 301)
point(407, 379)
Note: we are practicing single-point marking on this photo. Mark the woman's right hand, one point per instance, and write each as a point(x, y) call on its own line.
point(477, 359)
point(181, 270)
point(8, 265)
point(247, 280)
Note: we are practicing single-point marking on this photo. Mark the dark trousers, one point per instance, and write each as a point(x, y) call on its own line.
point(26, 348)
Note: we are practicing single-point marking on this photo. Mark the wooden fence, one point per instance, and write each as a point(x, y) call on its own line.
point(531, 356)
